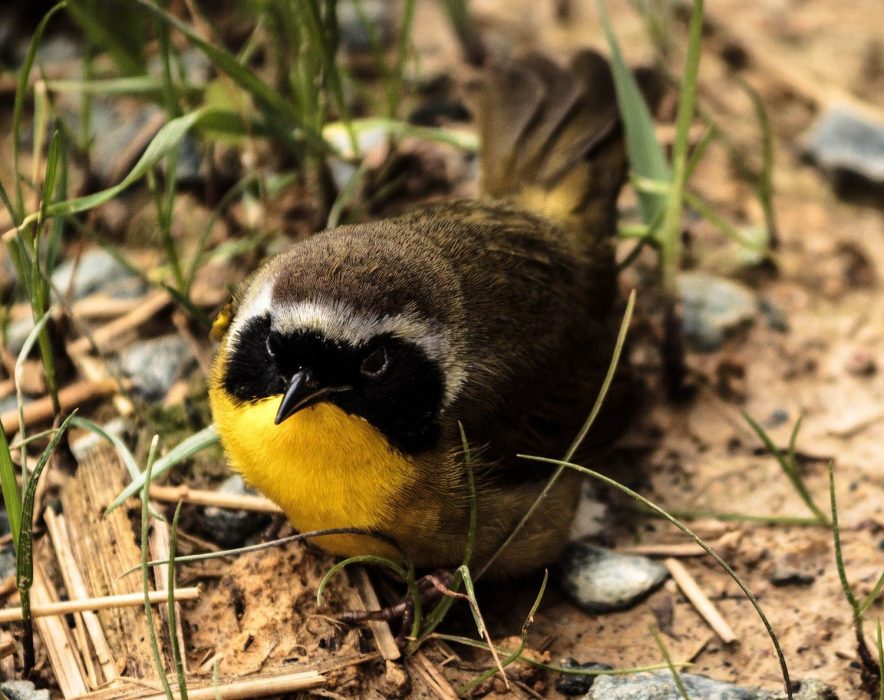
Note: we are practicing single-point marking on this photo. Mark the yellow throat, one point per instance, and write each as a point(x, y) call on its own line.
point(325, 468)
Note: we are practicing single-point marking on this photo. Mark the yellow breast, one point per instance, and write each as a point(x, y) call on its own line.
point(325, 468)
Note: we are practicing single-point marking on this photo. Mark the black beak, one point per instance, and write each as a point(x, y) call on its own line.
point(303, 391)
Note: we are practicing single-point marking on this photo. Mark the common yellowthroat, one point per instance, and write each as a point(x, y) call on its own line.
point(347, 362)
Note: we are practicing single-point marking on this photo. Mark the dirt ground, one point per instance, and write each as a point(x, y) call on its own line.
point(821, 359)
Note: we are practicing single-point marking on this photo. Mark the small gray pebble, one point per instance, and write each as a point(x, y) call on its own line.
point(810, 689)
point(790, 577)
point(353, 33)
point(95, 270)
point(23, 690)
point(599, 580)
point(844, 142)
point(231, 528)
point(774, 315)
point(155, 364)
point(713, 308)
point(777, 417)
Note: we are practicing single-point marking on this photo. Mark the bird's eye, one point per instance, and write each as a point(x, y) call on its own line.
point(375, 363)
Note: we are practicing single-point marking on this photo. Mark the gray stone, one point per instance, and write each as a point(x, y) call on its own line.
point(82, 446)
point(599, 580)
point(352, 30)
point(155, 364)
point(573, 684)
point(95, 270)
point(661, 686)
point(774, 315)
point(23, 690)
point(713, 308)
point(120, 131)
point(231, 528)
point(810, 689)
point(786, 576)
point(843, 142)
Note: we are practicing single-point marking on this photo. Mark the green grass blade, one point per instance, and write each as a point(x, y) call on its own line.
point(481, 627)
point(120, 30)
point(466, 690)
point(18, 370)
point(19, 104)
point(396, 77)
point(690, 533)
point(124, 453)
point(149, 86)
point(646, 157)
point(870, 599)
point(839, 557)
point(569, 671)
point(268, 97)
point(765, 187)
point(9, 487)
point(670, 233)
point(463, 140)
point(676, 676)
point(170, 607)
point(359, 559)
point(789, 465)
point(7, 203)
point(24, 571)
point(51, 173)
point(145, 576)
point(205, 438)
point(167, 139)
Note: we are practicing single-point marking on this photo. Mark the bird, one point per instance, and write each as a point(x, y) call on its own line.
point(348, 365)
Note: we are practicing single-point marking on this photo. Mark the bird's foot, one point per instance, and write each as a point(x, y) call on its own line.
point(430, 588)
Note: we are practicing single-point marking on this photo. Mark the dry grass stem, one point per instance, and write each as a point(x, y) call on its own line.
point(125, 600)
point(173, 494)
point(65, 660)
point(700, 600)
point(686, 549)
point(70, 397)
point(432, 677)
point(76, 586)
point(380, 630)
point(112, 334)
point(257, 688)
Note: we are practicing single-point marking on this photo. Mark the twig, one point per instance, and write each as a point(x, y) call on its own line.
point(94, 306)
point(70, 397)
point(257, 688)
point(383, 637)
point(664, 550)
point(432, 677)
point(124, 600)
point(700, 601)
point(110, 334)
point(199, 497)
